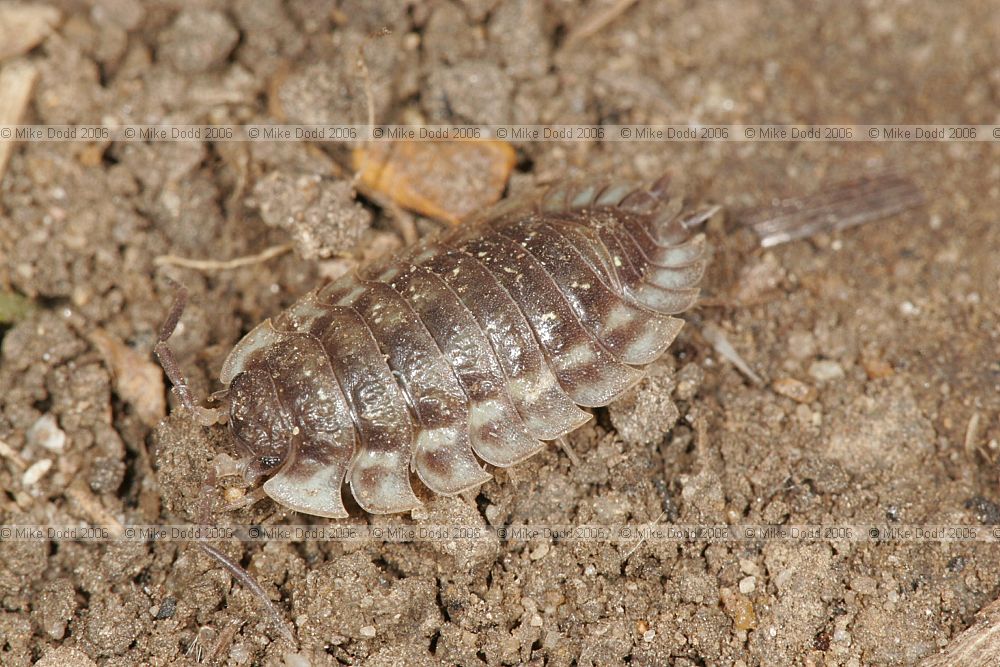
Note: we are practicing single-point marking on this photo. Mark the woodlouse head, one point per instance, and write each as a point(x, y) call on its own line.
point(258, 423)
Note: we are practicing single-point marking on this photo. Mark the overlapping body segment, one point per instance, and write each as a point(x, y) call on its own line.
point(472, 348)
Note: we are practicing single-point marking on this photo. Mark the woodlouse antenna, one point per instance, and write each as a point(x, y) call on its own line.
point(251, 584)
point(205, 416)
point(369, 91)
point(163, 352)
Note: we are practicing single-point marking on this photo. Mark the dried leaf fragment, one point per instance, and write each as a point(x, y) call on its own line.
point(445, 180)
point(138, 381)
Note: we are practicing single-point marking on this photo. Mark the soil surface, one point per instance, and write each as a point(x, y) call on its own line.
point(878, 345)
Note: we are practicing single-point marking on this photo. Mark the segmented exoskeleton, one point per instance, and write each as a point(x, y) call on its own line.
point(472, 347)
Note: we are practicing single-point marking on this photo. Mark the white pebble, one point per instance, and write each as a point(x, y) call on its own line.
point(536, 621)
point(296, 660)
point(648, 636)
point(908, 309)
point(239, 654)
point(46, 433)
point(36, 472)
point(825, 370)
point(492, 514)
point(368, 631)
point(747, 585)
point(539, 552)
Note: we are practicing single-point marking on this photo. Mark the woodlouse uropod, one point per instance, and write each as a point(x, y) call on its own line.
point(475, 345)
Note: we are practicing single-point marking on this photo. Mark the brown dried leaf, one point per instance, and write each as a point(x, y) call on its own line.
point(445, 180)
point(138, 381)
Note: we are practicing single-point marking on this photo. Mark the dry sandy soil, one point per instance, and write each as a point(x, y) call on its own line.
point(892, 327)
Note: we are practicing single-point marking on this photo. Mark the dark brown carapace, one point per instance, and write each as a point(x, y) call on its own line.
point(472, 347)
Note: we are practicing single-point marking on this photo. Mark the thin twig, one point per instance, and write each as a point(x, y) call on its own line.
point(598, 20)
point(223, 265)
point(972, 432)
point(7, 452)
point(17, 83)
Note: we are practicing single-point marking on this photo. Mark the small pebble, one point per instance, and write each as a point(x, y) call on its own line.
point(232, 494)
point(23, 26)
point(492, 514)
point(826, 370)
point(46, 433)
point(739, 608)
point(689, 380)
point(368, 631)
point(648, 636)
point(540, 551)
point(296, 660)
point(877, 368)
point(239, 654)
point(197, 40)
point(748, 584)
point(748, 566)
point(536, 621)
point(794, 389)
point(908, 309)
point(801, 345)
point(36, 472)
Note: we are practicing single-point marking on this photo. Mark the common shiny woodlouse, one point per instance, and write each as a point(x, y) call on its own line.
point(477, 344)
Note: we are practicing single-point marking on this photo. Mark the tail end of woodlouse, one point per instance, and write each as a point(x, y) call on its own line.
point(661, 238)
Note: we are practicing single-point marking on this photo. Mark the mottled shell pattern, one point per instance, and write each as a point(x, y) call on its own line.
point(472, 347)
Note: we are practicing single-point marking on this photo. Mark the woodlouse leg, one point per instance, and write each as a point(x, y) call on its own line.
point(568, 450)
point(251, 498)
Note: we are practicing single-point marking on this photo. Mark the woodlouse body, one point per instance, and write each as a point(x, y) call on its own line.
point(477, 345)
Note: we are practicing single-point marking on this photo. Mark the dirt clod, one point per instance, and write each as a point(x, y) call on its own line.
point(320, 213)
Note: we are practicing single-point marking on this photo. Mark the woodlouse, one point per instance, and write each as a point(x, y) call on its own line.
point(478, 344)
